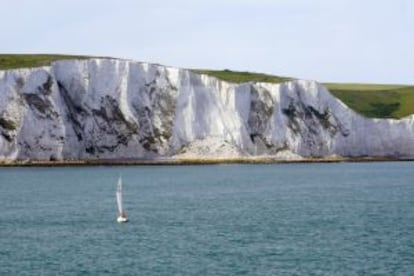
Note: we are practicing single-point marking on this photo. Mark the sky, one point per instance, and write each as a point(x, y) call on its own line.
point(370, 41)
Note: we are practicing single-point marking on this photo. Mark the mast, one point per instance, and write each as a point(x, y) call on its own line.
point(119, 195)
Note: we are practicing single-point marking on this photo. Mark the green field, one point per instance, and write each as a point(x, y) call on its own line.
point(370, 100)
point(376, 101)
point(239, 77)
point(10, 61)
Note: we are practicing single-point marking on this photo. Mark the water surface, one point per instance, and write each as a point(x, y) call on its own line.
point(281, 219)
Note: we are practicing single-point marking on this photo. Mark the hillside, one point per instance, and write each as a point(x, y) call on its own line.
point(376, 101)
point(11, 61)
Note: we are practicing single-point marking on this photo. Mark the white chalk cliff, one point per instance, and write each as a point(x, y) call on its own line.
point(118, 109)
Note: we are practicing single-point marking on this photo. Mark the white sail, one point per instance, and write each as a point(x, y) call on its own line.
point(119, 195)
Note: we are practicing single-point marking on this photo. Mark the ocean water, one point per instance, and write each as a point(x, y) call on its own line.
point(280, 219)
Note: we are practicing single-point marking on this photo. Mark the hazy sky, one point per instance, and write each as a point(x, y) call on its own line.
point(326, 40)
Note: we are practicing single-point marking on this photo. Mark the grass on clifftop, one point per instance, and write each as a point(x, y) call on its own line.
point(11, 61)
point(240, 77)
point(376, 101)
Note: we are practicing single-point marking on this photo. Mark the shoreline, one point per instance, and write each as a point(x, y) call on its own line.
point(191, 161)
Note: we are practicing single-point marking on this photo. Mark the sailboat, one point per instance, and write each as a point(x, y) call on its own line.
point(122, 217)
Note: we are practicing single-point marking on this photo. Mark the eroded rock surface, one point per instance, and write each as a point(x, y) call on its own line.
point(118, 109)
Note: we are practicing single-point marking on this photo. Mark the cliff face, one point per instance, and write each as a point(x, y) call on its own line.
point(116, 109)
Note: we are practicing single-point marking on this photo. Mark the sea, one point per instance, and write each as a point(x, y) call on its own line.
point(272, 219)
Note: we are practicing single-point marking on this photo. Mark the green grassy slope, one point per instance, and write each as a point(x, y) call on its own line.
point(370, 100)
point(10, 61)
point(239, 77)
point(376, 101)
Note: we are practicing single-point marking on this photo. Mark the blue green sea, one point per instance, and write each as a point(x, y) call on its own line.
point(279, 219)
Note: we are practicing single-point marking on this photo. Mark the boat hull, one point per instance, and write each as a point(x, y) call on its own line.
point(122, 219)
